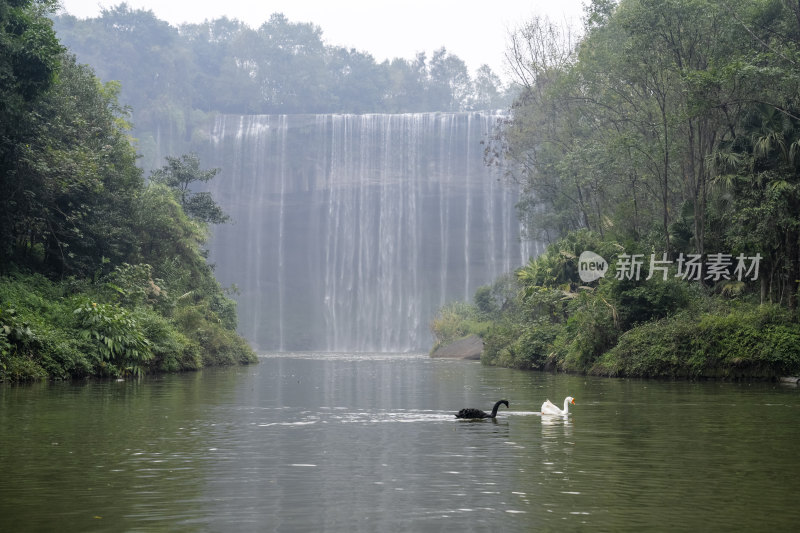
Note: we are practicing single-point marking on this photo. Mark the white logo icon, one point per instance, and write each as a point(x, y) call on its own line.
point(591, 267)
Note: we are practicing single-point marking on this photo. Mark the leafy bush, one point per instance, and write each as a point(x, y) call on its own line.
point(497, 341)
point(640, 328)
point(15, 337)
point(484, 301)
point(527, 346)
point(14, 331)
point(557, 267)
point(220, 346)
point(116, 336)
point(133, 285)
point(36, 337)
point(66, 330)
point(743, 342)
point(21, 368)
point(656, 349)
point(455, 321)
point(172, 350)
point(591, 329)
point(748, 341)
point(643, 301)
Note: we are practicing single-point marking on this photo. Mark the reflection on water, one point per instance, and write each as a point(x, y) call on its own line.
point(345, 442)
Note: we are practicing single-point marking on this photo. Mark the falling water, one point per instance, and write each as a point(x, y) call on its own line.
point(350, 231)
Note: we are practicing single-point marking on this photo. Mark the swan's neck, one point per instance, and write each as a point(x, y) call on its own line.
point(566, 406)
point(494, 409)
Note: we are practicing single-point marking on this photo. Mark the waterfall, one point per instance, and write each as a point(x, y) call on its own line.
point(350, 231)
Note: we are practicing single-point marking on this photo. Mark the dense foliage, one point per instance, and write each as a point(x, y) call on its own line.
point(670, 130)
point(101, 273)
point(174, 76)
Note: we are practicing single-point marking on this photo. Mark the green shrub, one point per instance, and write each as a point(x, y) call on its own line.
point(220, 346)
point(116, 336)
point(66, 330)
point(590, 330)
point(655, 349)
point(750, 341)
point(666, 328)
point(62, 353)
point(484, 301)
point(526, 347)
point(19, 341)
point(225, 309)
point(42, 339)
point(172, 350)
point(134, 285)
point(496, 342)
point(455, 321)
point(744, 342)
point(647, 300)
point(14, 330)
point(21, 368)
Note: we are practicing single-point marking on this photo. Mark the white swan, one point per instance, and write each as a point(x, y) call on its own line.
point(549, 408)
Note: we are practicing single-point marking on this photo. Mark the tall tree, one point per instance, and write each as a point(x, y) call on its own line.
point(671, 120)
point(78, 176)
point(29, 60)
point(179, 174)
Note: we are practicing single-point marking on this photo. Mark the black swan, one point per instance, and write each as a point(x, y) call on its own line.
point(477, 413)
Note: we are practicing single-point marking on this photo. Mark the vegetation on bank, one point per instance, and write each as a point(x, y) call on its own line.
point(670, 130)
point(102, 273)
point(546, 318)
point(122, 325)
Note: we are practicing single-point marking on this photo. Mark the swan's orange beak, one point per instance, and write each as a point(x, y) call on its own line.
point(573, 401)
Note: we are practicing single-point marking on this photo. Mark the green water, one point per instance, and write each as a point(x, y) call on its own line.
point(368, 443)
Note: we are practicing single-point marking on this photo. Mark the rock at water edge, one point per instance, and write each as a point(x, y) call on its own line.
point(470, 347)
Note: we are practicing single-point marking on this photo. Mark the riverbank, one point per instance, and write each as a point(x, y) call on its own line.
point(79, 328)
point(103, 272)
point(546, 318)
point(743, 343)
point(753, 343)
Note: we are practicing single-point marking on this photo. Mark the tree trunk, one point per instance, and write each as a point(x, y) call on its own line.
point(665, 196)
point(583, 209)
point(635, 209)
point(794, 268)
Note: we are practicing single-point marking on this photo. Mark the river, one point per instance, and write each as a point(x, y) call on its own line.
point(338, 442)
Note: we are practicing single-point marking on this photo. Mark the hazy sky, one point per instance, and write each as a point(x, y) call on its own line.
point(474, 30)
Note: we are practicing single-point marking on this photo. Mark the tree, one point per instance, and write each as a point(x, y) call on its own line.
point(762, 184)
point(168, 73)
point(29, 60)
point(179, 174)
point(73, 204)
point(671, 120)
point(77, 177)
point(488, 90)
point(449, 82)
